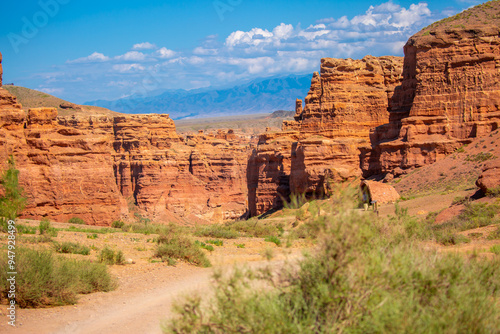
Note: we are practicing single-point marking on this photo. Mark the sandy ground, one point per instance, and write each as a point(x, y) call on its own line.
point(146, 290)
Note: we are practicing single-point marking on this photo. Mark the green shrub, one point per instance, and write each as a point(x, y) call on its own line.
point(90, 230)
point(274, 239)
point(117, 224)
point(240, 245)
point(92, 236)
point(71, 248)
point(216, 231)
point(13, 202)
point(473, 216)
point(45, 229)
point(152, 228)
point(216, 242)
point(460, 200)
point(495, 234)
point(254, 228)
point(203, 245)
point(76, 220)
point(110, 256)
point(25, 229)
point(493, 192)
point(367, 276)
point(46, 280)
point(448, 238)
point(495, 249)
point(480, 157)
point(175, 246)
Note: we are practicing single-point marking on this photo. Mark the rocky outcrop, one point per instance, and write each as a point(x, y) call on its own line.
point(489, 180)
point(323, 144)
point(268, 173)
point(99, 167)
point(450, 92)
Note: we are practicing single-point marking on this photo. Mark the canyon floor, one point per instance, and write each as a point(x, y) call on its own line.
point(147, 289)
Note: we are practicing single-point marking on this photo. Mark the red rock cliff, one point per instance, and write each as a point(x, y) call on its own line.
point(449, 95)
point(94, 167)
point(324, 142)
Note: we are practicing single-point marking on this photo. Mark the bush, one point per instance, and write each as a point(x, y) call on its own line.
point(45, 280)
point(175, 246)
point(151, 228)
point(254, 228)
point(117, 224)
point(495, 234)
point(203, 245)
point(68, 247)
point(473, 216)
point(13, 201)
point(217, 242)
point(216, 231)
point(274, 239)
point(45, 229)
point(368, 276)
point(76, 220)
point(25, 229)
point(110, 256)
point(493, 192)
point(495, 249)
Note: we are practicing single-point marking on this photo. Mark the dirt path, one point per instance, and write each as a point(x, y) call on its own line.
point(143, 299)
point(137, 306)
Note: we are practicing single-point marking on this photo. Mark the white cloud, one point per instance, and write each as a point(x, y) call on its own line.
point(165, 53)
point(132, 56)
point(260, 51)
point(255, 36)
point(94, 57)
point(144, 46)
point(204, 52)
point(123, 68)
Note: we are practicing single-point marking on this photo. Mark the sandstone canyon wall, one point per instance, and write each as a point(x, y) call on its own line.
point(347, 99)
point(95, 167)
point(384, 116)
point(449, 95)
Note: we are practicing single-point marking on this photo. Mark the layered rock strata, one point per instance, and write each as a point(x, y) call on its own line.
point(322, 146)
point(99, 167)
point(450, 92)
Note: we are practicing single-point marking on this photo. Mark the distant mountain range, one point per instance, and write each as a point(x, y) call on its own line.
point(258, 96)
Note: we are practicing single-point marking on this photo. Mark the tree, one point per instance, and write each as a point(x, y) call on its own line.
point(12, 202)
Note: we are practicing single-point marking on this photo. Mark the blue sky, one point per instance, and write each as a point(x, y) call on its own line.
point(83, 50)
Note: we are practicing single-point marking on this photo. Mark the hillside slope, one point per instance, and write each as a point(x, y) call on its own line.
point(30, 98)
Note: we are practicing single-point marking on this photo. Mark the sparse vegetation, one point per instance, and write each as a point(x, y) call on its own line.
point(495, 249)
point(480, 157)
point(76, 220)
point(12, 202)
point(110, 256)
point(273, 239)
point(368, 276)
point(216, 231)
point(493, 192)
point(253, 228)
point(117, 224)
point(216, 242)
point(46, 229)
point(69, 247)
point(177, 246)
point(203, 245)
point(46, 280)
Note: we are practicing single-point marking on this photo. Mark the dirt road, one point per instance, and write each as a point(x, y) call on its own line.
point(139, 305)
point(143, 299)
